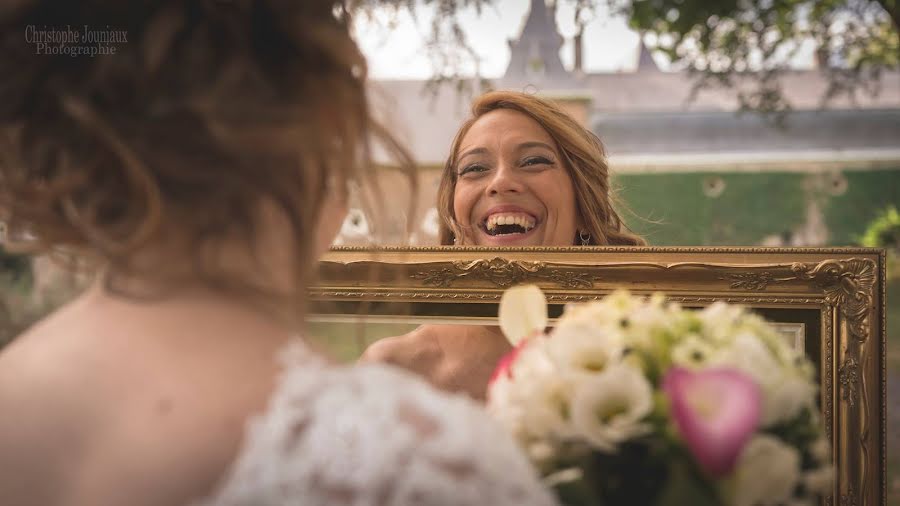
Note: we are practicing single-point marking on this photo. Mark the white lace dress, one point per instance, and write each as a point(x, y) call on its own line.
point(373, 435)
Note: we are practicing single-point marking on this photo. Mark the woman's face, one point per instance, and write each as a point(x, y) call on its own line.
point(512, 188)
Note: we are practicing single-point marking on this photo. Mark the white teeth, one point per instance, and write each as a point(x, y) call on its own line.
point(524, 221)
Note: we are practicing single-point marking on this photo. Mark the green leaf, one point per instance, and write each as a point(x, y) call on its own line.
point(685, 486)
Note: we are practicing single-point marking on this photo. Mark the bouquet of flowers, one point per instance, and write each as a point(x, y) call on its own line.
point(638, 401)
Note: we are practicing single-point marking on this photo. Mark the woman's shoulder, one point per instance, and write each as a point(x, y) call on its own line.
point(130, 406)
point(419, 346)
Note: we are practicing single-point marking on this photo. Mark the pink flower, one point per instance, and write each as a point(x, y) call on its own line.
point(716, 411)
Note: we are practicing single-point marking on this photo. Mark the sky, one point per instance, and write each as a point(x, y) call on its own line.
point(397, 52)
point(395, 47)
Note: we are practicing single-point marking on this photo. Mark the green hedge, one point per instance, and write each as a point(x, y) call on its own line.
point(673, 209)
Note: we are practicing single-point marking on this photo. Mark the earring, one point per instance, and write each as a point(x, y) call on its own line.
point(584, 237)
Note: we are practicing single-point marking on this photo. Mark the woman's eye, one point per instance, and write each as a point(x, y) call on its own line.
point(536, 160)
point(471, 169)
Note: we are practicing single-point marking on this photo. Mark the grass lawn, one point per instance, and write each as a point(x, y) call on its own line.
point(345, 342)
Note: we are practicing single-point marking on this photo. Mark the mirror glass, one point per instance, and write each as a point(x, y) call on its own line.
point(345, 338)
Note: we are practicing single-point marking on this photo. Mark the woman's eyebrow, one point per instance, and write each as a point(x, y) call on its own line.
point(535, 144)
point(473, 151)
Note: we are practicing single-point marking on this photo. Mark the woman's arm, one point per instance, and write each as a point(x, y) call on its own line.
point(455, 358)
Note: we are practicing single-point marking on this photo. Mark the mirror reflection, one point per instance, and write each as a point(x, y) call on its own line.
point(347, 338)
point(566, 154)
point(686, 168)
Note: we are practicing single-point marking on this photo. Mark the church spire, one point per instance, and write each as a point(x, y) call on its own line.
point(645, 58)
point(538, 9)
point(534, 57)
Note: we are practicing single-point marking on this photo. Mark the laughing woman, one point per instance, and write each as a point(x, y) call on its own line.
point(521, 172)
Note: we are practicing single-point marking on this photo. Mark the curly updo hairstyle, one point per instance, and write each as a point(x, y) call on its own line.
point(207, 109)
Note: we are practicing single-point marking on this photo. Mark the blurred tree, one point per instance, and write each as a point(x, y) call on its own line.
point(448, 48)
point(884, 231)
point(15, 276)
point(13, 268)
point(745, 45)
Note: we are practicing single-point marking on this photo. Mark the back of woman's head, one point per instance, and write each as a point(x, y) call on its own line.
point(581, 150)
point(206, 109)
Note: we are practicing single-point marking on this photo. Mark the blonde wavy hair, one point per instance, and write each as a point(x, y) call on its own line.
point(582, 152)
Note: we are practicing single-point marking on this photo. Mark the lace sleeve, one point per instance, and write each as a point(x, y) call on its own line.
point(371, 435)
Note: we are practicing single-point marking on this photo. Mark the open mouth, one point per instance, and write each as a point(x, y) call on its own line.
point(506, 224)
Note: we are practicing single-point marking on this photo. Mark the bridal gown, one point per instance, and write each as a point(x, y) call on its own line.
point(372, 435)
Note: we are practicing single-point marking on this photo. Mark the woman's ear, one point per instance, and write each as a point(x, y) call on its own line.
point(582, 233)
point(455, 230)
point(580, 223)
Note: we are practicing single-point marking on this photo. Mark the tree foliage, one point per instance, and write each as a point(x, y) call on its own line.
point(446, 44)
point(747, 45)
point(884, 231)
point(744, 45)
point(13, 268)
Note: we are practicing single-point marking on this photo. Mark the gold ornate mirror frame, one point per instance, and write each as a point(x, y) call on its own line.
point(836, 294)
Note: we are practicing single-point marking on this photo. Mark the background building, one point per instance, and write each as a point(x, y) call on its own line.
point(688, 172)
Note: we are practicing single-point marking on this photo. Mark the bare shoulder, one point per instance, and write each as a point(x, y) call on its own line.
point(102, 403)
point(49, 393)
point(413, 350)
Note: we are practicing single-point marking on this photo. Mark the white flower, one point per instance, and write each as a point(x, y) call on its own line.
point(819, 481)
point(788, 397)
point(783, 397)
point(533, 363)
point(523, 312)
point(504, 406)
point(767, 472)
point(608, 408)
point(563, 476)
point(534, 399)
point(541, 451)
point(547, 404)
point(821, 449)
point(500, 391)
point(692, 352)
point(598, 314)
point(651, 315)
point(719, 321)
point(577, 345)
point(748, 354)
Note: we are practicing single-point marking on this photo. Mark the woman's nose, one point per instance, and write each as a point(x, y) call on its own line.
point(504, 180)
